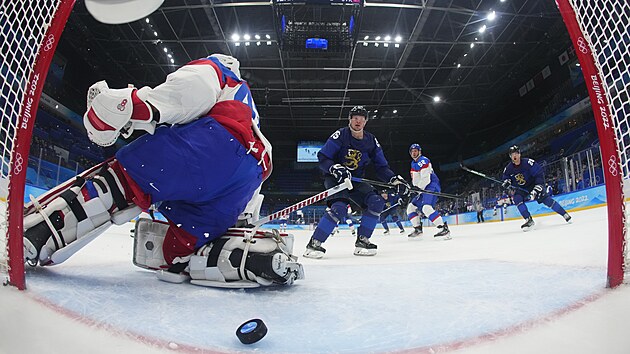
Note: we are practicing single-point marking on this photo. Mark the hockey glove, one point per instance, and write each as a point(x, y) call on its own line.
point(339, 172)
point(537, 192)
point(402, 187)
point(506, 183)
point(112, 112)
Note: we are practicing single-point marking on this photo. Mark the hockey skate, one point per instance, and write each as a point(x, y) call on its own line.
point(363, 247)
point(417, 231)
point(314, 249)
point(402, 231)
point(386, 232)
point(444, 232)
point(567, 217)
point(529, 223)
point(354, 232)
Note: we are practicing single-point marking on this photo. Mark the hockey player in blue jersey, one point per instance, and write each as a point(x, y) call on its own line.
point(527, 176)
point(348, 152)
point(202, 161)
point(423, 177)
point(392, 203)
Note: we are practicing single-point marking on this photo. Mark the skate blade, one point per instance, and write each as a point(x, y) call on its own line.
point(358, 251)
point(313, 254)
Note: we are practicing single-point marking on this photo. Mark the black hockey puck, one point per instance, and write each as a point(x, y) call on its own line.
point(251, 331)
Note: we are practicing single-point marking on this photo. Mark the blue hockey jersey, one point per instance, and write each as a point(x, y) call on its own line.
point(525, 175)
point(342, 148)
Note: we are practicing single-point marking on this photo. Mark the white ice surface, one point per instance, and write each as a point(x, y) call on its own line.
point(492, 289)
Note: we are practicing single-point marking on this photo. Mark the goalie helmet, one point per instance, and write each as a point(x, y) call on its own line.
point(513, 149)
point(359, 111)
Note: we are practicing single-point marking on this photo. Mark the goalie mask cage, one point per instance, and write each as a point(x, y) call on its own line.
point(30, 32)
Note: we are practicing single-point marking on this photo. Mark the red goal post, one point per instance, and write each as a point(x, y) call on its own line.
point(600, 32)
point(29, 33)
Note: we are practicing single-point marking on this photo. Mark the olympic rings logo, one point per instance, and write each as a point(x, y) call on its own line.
point(612, 166)
point(582, 45)
point(18, 164)
point(121, 105)
point(50, 41)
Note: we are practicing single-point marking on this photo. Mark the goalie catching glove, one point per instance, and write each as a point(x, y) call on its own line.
point(112, 112)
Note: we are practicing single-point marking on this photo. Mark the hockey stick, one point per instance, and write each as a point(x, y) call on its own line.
point(412, 188)
point(390, 208)
point(491, 178)
point(249, 235)
point(306, 202)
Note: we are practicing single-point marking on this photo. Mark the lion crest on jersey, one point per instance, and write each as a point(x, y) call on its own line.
point(352, 159)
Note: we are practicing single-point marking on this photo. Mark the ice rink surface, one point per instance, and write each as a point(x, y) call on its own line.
point(491, 289)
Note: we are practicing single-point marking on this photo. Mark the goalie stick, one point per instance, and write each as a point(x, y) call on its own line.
point(491, 178)
point(412, 188)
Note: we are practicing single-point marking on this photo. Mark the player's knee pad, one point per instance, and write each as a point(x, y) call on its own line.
point(375, 204)
point(77, 211)
point(268, 261)
point(412, 209)
point(339, 211)
point(427, 210)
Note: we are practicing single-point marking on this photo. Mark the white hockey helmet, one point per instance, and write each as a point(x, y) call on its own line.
point(230, 62)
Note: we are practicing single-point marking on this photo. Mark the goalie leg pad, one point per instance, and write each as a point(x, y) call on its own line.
point(147, 246)
point(266, 263)
point(83, 207)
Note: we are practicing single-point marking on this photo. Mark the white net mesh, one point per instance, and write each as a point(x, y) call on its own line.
point(23, 25)
point(606, 26)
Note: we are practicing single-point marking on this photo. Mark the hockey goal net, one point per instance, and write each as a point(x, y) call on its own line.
point(29, 34)
point(600, 32)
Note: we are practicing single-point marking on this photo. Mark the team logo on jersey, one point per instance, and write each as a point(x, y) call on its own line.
point(353, 157)
point(520, 179)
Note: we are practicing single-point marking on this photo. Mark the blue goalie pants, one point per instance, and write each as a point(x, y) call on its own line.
point(199, 173)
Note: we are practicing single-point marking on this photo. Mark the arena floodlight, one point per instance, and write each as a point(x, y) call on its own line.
point(235, 37)
point(482, 29)
point(492, 16)
point(246, 37)
point(398, 39)
point(388, 38)
point(437, 99)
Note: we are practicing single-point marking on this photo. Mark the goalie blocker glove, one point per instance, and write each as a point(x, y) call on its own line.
point(339, 172)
